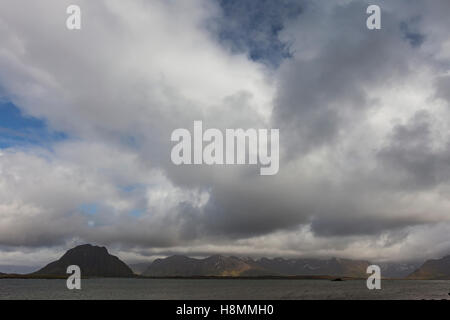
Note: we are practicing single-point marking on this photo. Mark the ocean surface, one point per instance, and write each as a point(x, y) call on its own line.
point(167, 289)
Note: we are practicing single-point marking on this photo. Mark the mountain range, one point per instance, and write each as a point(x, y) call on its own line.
point(95, 261)
point(19, 269)
point(218, 265)
point(435, 269)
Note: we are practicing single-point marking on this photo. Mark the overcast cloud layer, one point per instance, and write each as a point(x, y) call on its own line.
point(364, 120)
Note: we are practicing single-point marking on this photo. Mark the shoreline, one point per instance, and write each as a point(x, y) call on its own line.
point(299, 277)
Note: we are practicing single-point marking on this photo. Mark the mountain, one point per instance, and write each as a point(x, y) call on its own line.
point(93, 261)
point(232, 266)
point(213, 266)
point(397, 270)
point(139, 268)
point(433, 269)
point(333, 266)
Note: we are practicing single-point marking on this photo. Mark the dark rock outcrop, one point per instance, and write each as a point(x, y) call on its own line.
point(93, 261)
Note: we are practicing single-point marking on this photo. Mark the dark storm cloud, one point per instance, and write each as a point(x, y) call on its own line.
point(414, 38)
point(321, 95)
point(443, 88)
point(342, 225)
point(324, 91)
point(411, 155)
point(247, 210)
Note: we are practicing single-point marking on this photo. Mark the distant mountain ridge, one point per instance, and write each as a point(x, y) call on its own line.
point(397, 270)
point(17, 269)
point(333, 266)
point(93, 261)
point(435, 269)
point(218, 265)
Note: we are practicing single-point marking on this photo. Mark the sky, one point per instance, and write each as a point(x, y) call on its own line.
point(86, 117)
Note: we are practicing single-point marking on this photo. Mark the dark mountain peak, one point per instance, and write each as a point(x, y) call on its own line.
point(86, 246)
point(87, 249)
point(247, 259)
point(94, 261)
point(217, 257)
point(178, 257)
point(174, 259)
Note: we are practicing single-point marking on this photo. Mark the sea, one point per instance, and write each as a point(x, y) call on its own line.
point(223, 289)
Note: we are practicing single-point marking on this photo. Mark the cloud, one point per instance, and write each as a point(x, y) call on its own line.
point(362, 118)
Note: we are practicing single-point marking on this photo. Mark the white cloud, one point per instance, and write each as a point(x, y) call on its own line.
point(137, 70)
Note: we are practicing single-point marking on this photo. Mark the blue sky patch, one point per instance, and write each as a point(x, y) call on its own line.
point(136, 213)
point(89, 208)
point(131, 187)
point(16, 129)
point(414, 38)
point(253, 26)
